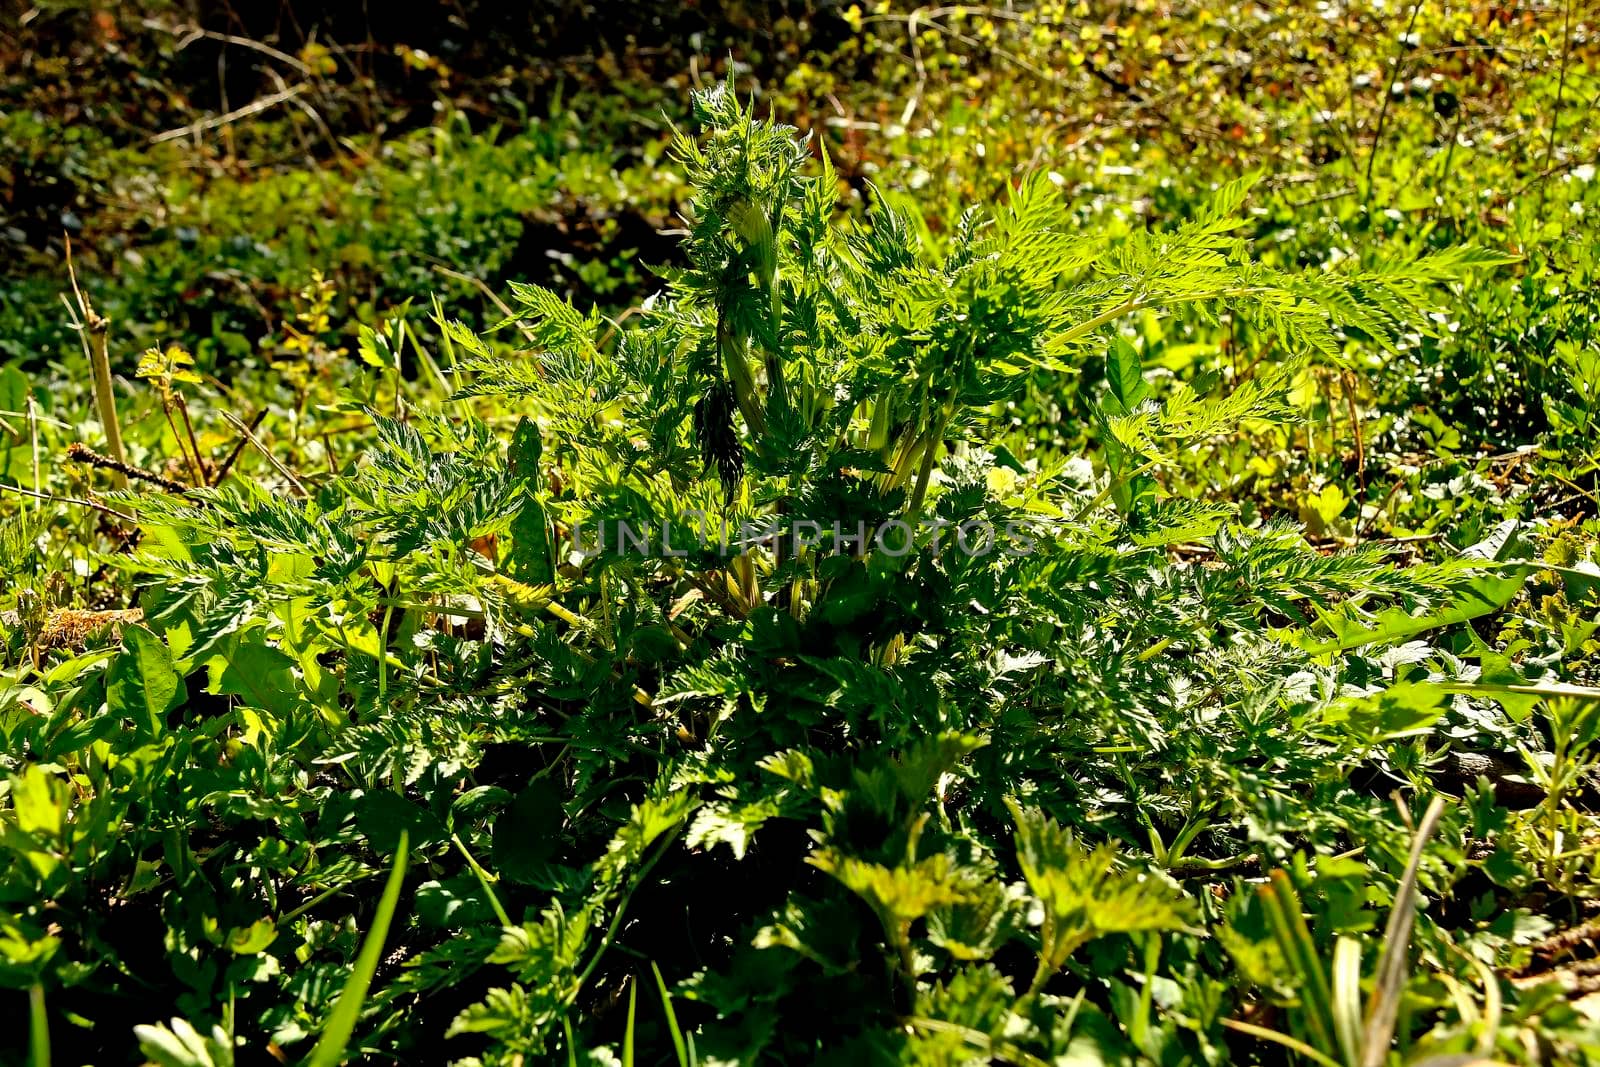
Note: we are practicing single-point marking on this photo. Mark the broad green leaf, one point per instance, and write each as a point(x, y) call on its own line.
point(531, 557)
point(16, 457)
point(1502, 543)
point(387, 818)
point(261, 676)
point(141, 683)
point(453, 903)
point(525, 451)
point(901, 894)
point(40, 801)
point(1497, 669)
point(181, 1045)
point(1086, 894)
point(1402, 710)
point(1124, 378)
point(374, 348)
point(526, 833)
point(248, 940)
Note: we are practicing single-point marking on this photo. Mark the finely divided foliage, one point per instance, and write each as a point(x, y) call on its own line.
point(857, 805)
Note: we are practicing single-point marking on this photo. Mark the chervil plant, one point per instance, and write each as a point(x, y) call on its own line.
point(929, 797)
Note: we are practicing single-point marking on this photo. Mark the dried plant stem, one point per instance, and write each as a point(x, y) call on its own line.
point(1561, 88)
point(79, 453)
point(192, 453)
point(1388, 92)
point(96, 327)
point(238, 449)
point(101, 364)
point(277, 464)
point(33, 439)
point(54, 498)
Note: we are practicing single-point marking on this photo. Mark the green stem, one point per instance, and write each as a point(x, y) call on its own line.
point(616, 918)
point(737, 368)
point(1551, 568)
point(1383, 106)
point(484, 878)
point(908, 961)
point(904, 461)
point(1538, 689)
point(1136, 303)
point(1111, 487)
point(38, 1028)
point(930, 450)
point(319, 898)
point(1292, 1043)
point(774, 359)
point(383, 657)
point(335, 1040)
point(1088, 326)
point(1561, 88)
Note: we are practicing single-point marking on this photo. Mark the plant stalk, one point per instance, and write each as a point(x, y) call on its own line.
point(930, 451)
point(100, 364)
point(38, 1028)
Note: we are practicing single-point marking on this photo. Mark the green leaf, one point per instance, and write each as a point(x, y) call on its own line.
point(1480, 596)
point(248, 940)
point(453, 903)
point(374, 348)
point(531, 557)
point(1085, 894)
point(525, 451)
point(627, 1033)
point(40, 801)
point(181, 1045)
point(141, 683)
point(16, 463)
point(387, 818)
point(1402, 710)
point(685, 1056)
point(1124, 378)
point(526, 833)
point(1497, 669)
point(258, 674)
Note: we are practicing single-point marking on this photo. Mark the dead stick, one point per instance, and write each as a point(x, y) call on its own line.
point(96, 326)
point(81, 453)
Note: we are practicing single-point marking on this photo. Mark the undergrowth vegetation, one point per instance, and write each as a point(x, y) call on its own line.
point(952, 597)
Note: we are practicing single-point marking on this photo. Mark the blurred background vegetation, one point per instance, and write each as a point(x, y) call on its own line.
point(257, 183)
point(205, 160)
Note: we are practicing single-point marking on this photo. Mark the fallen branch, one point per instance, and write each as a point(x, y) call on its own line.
point(79, 452)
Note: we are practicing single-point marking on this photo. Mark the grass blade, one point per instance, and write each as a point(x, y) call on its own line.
point(330, 1050)
point(1288, 925)
point(627, 1037)
point(1285, 1040)
point(684, 1059)
point(1385, 1005)
point(1347, 997)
